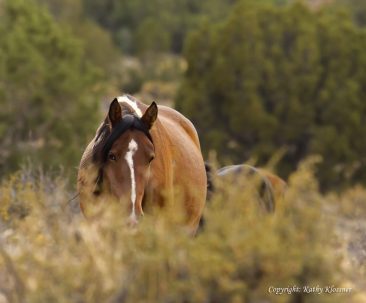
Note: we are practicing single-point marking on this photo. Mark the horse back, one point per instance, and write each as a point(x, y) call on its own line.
point(181, 123)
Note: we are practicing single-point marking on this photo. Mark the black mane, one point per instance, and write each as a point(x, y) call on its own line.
point(105, 139)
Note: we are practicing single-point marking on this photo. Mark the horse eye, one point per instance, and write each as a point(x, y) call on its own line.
point(112, 157)
point(151, 158)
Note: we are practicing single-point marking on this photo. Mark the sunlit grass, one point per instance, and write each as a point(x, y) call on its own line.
point(50, 253)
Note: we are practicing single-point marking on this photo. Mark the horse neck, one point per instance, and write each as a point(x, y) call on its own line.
point(162, 168)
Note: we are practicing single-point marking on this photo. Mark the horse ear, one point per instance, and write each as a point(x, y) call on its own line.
point(115, 112)
point(150, 115)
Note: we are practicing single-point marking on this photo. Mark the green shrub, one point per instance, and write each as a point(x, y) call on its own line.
point(49, 89)
point(270, 77)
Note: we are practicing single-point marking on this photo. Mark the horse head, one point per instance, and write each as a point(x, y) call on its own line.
point(124, 150)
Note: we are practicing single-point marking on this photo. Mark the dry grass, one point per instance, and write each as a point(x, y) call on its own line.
point(49, 253)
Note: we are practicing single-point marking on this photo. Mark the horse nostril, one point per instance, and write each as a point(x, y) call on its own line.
point(96, 192)
point(132, 222)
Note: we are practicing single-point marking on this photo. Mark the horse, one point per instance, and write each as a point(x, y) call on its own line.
point(144, 155)
point(270, 187)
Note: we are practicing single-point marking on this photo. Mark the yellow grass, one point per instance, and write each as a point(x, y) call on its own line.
point(50, 253)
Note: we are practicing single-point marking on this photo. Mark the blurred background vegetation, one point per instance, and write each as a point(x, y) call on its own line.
point(255, 77)
point(258, 78)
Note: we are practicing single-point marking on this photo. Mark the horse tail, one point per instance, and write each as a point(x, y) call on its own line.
point(210, 183)
point(267, 195)
point(210, 191)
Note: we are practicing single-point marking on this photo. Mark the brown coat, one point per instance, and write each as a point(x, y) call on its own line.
point(176, 173)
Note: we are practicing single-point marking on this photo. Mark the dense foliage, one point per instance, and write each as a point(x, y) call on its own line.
point(50, 254)
point(272, 77)
point(98, 45)
point(154, 26)
point(357, 9)
point(49, 89)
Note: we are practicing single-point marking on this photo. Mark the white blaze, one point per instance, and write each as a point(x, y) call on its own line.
point(131, 103)
point(132, 148)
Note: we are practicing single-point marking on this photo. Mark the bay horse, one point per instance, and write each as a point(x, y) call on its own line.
point(270, 188)
point(142, 156)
